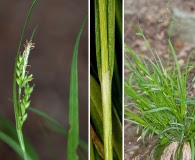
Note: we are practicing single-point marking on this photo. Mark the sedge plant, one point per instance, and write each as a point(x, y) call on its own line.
point(22, 90)
point(159, 93)
point(21, 84)
point(105, 81)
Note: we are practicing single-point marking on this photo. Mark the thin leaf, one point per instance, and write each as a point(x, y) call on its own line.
point(92, 155)
point(97, 142)
point(73, 134)
point(12, 143)
point(47, 117)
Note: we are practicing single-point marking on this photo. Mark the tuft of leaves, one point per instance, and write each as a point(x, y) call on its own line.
point(160, 96)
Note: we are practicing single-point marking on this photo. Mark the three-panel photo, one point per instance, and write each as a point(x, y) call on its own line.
point(97, 80)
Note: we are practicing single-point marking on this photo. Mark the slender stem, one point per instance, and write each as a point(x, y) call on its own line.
point(103, 35)
point(107, 114)
point(21, 141)
point(105, 60)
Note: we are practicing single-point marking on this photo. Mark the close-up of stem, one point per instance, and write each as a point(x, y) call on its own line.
point(107, 54)
point(105, 68)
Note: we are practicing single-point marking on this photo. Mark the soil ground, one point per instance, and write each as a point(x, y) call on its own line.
point(154, 17)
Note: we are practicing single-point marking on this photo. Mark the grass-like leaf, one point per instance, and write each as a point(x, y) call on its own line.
point(9, 136)
point(160, 95)
point(92, 155)
point(47, 117)
point(73, 134)
point(12, 143)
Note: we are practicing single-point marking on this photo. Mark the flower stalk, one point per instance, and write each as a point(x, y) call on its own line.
point(22, 92)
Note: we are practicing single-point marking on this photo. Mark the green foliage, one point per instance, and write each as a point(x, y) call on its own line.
point(9, 136)
point(159, 93)
point(56, 126)
point(73, 134)
point(21, 97)
point(12, 143)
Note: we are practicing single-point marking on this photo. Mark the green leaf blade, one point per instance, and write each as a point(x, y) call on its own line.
point(73, 134)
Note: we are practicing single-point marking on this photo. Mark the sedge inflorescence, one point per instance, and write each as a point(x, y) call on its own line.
point(23, 79)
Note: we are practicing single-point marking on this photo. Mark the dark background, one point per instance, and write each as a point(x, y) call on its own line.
point(58, 24)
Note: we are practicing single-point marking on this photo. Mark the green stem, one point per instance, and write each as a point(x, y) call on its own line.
point(105, 61)
point(107, 114)
point(103, 36)
point(17, 110)
point(21, 141)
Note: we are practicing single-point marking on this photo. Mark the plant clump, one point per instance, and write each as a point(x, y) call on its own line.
point(160, 96)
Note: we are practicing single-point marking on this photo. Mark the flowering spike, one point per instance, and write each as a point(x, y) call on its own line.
point(23, 80)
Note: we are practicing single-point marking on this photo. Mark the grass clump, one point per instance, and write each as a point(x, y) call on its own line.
point(160, 95)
